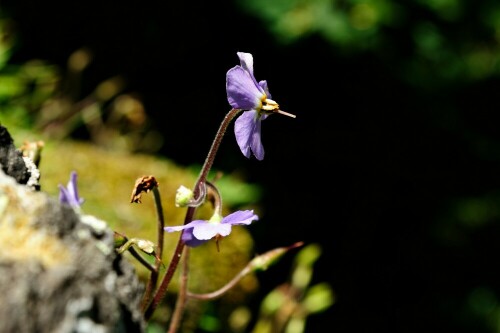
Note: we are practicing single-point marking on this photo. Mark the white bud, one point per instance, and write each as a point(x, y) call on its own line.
point(183, 196)
point(146, 246)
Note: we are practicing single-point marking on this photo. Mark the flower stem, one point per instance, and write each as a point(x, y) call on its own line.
point(261, 262)
point(214, 196)
point(141, 259)
point(207, 165)
point(153, 279)
point(181, 298)
point(224, 289)
point(209, 160)
point(161, 220)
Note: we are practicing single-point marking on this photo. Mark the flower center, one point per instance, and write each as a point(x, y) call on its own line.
point(269, 106)
point(215, 219)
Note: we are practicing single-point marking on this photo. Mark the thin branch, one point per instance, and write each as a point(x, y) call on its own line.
point(261, 262)
point(141, 259)
point(221, 291)
point(153, 279)
point(181, 297)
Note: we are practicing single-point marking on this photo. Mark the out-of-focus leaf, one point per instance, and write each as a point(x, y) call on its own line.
point(318, 298)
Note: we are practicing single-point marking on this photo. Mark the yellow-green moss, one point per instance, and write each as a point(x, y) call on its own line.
point(105, 181)
point(22, 243)
point(19, 240)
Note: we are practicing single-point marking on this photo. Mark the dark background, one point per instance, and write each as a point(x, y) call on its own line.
point(392, 163)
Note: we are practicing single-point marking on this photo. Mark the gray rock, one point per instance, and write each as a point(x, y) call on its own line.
point(11, 158)
point(58, 273)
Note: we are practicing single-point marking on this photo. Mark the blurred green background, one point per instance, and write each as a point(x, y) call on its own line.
point(392, 164)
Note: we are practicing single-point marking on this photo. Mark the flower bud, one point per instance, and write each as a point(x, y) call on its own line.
point(265, 260)
point(146, 246)
point(183, 196)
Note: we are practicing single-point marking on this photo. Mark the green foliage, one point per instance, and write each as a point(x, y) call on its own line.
point(23, 88)
point(36, 94)
point(444, 45)
point(349, 24)
point(286, 308)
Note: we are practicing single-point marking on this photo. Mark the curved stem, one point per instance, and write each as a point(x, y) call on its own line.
point(153, 279)
point(260, 262)
point(214, 197)
point(197, 201)
point(162, 289)
point(161, 221)
point(141, 259)
point(221, 291)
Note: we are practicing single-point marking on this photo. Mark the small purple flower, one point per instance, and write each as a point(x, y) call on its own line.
point(244, 92)
point(199, 231)
point(69, 194)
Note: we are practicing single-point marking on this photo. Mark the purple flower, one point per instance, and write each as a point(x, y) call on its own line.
point(69, 194)
point(243, 92)
point(199, 231)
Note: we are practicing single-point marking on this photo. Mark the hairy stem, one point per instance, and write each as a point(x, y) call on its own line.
point(207, 165)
